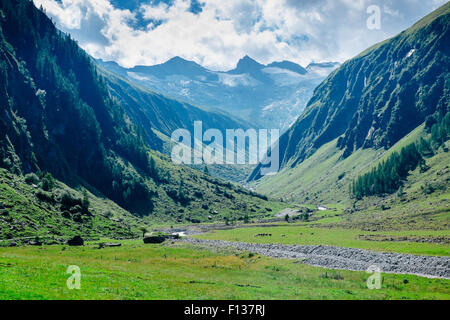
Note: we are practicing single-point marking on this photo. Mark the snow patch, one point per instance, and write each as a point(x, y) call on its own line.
point(234, 80)
point(410, 53)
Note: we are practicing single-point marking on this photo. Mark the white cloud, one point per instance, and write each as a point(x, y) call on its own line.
point(298, 30)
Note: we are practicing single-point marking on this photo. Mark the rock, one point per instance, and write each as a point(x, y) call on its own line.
point(13, 244)
point(160, 238)
point(34, 243)
point(76, 241)
point(155, 239)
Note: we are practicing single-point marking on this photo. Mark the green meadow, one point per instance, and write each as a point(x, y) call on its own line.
point(178, 271)
point(353, 238)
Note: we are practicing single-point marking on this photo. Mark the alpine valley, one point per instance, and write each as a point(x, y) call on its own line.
point(86, 176)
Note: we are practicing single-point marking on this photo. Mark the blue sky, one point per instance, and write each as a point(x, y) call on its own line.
point(217, 33)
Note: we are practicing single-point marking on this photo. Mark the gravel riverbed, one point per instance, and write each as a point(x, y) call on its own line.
point(341, 258)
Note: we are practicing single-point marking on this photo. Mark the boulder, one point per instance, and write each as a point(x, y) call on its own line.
point(160, 237)
point(34, 243)
point(76, 241)
point(155, 239)
point(109, 245)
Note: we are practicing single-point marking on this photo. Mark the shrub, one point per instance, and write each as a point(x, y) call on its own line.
point(45, 196)
point(48, 182)
point(69, 201)
point(85, 203)
point(108, 214)
point(427, 188)
point(198, 194)
point(31, 178)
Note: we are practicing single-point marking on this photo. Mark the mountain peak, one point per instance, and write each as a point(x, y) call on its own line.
point(173, 66)
point(247, 65)
point(178, 60)
point(288, 65)
point(247, 60)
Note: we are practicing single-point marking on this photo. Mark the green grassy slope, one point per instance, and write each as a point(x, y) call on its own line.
point(324, 178)
point(28, 211)
point(190, 197)
point(208, 198)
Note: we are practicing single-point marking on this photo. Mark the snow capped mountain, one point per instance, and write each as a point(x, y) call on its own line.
point(268, 96)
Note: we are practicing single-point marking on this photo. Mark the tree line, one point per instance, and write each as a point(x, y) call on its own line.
point(388, 176)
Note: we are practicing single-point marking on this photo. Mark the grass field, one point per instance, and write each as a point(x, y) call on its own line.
point(177, 271)
point(353, 238)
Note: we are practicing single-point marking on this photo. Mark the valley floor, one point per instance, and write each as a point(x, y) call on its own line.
point(342, 258)
point(179, 270)
point(267, 260)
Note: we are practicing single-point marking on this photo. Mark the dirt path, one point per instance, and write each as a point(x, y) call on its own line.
point(342, 258)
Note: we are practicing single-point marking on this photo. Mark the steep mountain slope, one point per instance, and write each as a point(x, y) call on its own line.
point(375, 99)
point(266, 96)
point(76, 130)
point(325, 176)
point(155, 111)
point(57, 115)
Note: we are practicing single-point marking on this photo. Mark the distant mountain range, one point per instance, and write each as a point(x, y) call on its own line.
point(267, 96)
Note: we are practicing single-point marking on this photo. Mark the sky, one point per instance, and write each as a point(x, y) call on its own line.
point(217, 33)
